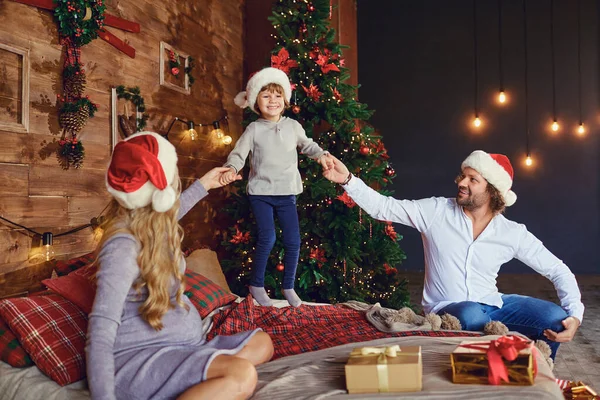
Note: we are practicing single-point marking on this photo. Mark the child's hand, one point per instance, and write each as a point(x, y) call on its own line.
point(326, 161)
point(229, 176)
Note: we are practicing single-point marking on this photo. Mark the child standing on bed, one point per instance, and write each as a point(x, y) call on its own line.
point(274, 181)
point(145, 337)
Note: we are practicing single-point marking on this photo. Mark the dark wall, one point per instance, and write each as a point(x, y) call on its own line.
point(416, 71)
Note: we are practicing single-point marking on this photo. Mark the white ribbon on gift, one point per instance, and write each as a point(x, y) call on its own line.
point(384, 353)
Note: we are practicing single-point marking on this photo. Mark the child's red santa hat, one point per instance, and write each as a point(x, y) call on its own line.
point(496, 169)
point(258, 81)
point(141, 171)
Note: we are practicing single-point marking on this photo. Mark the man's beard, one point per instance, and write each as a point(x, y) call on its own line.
point(471, 202)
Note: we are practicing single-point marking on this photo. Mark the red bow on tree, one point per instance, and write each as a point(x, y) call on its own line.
point(282, 61)
point(323, 61)
point(389, 230)
point(240, 237)
point(318, 255)
point(344, 198)
point(507, 347)
point(313, 92)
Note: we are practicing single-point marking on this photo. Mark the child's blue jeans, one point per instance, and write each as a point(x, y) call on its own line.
point(265, 208)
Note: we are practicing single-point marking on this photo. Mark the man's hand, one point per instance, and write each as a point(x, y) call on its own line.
point(219, 176)
point(339, 172)
point(571, 325)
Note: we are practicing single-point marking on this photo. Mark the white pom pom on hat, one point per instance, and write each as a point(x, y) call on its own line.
point(141, 171)
point(259, 80)
point(496, 169)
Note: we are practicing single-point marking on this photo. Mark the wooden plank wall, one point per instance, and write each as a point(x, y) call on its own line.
point(37, 193)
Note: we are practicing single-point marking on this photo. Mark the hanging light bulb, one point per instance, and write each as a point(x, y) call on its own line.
point(581, 129)
point(191, 131)
point(529, 161)
point(502, 97)
point(47, 250)
point(555, 126)
point(226, 139)
point(477, 122)
point(217, 131)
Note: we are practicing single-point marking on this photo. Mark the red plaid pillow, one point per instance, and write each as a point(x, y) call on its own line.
point(11, 351)
point(205, 295)
point(52, 331)
point(64, 267)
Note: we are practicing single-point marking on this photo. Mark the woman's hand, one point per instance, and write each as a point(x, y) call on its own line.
point(219, 176)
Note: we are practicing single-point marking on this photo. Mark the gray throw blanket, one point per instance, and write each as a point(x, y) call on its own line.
point(405, 319)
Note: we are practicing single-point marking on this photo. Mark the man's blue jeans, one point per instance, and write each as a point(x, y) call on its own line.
point(523, 314)
point(264, 208)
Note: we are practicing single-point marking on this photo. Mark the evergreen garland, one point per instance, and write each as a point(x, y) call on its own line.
point(79, 20)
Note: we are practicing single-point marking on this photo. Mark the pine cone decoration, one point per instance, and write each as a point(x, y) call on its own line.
point(82, 116)
point(76, 159)
point(68, 121)
point(74, 85)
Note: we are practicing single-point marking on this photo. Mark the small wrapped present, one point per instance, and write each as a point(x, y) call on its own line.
point(508, 360)
point(579, 391)
point(384, 369)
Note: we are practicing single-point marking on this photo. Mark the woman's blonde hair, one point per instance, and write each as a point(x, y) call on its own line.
point(160, 236)
point(272, 87)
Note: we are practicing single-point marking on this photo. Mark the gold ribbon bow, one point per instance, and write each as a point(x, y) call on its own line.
point(382, 360)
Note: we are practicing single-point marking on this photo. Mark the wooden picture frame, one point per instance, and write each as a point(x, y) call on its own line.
point(164, 64)
point(115, 133)
point(23, 124)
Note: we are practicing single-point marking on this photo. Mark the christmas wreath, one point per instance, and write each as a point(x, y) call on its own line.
point(133, 94)
point(79, 20)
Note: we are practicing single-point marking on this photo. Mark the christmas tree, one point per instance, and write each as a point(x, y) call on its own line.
point(345, 254)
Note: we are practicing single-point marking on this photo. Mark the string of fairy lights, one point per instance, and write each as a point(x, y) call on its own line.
point(502, 98)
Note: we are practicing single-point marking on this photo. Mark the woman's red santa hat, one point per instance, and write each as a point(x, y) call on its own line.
point(141, 172)
point(496, 169)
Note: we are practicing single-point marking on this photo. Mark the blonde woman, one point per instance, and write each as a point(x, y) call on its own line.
point(144, 336)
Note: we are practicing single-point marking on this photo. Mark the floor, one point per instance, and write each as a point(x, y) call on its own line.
point(578, 360)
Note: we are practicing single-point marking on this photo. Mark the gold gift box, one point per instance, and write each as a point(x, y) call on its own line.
point(384, 369)
point(471, 366)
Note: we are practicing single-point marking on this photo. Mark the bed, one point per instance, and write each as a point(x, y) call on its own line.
point(312, 344)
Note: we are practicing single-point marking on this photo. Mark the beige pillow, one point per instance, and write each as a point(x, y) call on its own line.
point(205, 262)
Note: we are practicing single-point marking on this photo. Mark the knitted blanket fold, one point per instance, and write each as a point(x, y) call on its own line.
point(390, 320)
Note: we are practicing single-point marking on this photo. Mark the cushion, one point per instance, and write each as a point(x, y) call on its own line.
point(64, 267)
point(205, 262)
point(204, 294)
point(78, 287)
point(51, 329)
point(11, 351)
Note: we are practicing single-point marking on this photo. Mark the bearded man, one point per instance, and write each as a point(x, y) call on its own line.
point(466, 240)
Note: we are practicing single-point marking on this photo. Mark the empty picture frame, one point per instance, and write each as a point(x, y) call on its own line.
point(181, 82)
point(14, 88)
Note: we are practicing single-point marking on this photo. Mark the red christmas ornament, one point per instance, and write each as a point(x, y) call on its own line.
point(175, 71)
point(295, 109)
point(311, 7)
point(329, 202)
point(280, 267)
point(364, 150)
point(389, 171)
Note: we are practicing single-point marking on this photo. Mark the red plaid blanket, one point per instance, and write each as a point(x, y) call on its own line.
point(296, 330)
